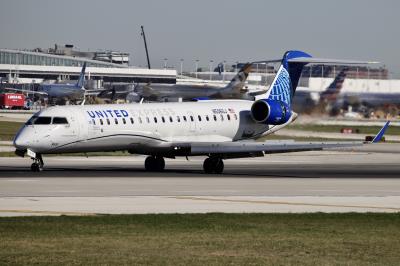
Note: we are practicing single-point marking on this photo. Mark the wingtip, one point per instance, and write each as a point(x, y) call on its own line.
point(381, 132)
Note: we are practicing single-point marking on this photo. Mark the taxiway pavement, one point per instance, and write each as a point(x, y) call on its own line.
point(363, 180)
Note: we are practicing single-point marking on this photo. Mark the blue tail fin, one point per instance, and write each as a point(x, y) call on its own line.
point(81, 80)
point(286, 80)
point(331, 93)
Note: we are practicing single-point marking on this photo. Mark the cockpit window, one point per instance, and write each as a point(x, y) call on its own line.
point(60, 120)
point(42, 120)
point(39, 120)
point(46, 120)
point(31, 120)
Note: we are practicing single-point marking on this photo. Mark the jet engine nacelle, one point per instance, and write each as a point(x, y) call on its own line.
point(271, 112)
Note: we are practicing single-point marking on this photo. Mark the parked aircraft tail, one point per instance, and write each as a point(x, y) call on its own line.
point(81, 79)
point(331, 93)
point(236, 85)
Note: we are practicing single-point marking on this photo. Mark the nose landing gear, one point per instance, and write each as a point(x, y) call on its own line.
point(213, 165)
point(37, 165)
point(154, 164)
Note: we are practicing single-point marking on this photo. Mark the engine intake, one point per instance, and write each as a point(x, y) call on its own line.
point(271, 112)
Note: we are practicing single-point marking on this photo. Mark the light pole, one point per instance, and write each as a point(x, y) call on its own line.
point(165, 63)
point(181, 66)
point(211, 63)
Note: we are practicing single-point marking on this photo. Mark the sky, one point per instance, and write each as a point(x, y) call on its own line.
point(209, 29)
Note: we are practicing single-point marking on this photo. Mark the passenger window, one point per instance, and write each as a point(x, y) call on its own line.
point(207, 118)
point(148, 120)
point(101, 121)
point(116, 121)
point(228, 116)
point(140, 120)
point(123, 121)
point(163, 119)
point(155, 119)
point(222, 117)
point(42, 120)
point(236, 117)
point(108, 121)
point(131, 120)
point(93, 121)
point(184, 118)
point(191, 118)
point(170, 119)
point(62, 120)
point(215, 118)
point(178, 119)
point(199, 118)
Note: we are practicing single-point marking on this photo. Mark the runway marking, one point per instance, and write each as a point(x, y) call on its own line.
point(287, 203)
point(49, 212)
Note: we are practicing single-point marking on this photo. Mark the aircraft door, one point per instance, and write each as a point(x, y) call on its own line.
point(94, 128)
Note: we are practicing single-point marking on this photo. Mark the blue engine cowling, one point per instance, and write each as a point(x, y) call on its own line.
point(271, 112)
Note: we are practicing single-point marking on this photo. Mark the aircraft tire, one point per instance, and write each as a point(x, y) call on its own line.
point(160, 164)
point(219, 166)
point(208, 166)
point(213, 165)
point(154, 164)
point(150, 163)
point(35, 167)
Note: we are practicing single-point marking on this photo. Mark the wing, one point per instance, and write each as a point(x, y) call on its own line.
point(242, 149)
point(252, 149)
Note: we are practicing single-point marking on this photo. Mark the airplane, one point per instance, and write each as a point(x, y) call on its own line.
point(217, 129)
point(193, 91)
point(307, 99)
point(58, 92)
point(363, 102)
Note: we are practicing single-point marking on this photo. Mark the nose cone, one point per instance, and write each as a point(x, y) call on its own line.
point(21, 141)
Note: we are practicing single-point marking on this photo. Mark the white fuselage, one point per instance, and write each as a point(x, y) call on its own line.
point(139, 128)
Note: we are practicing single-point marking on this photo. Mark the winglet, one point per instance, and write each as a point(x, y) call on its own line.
point(381, 132)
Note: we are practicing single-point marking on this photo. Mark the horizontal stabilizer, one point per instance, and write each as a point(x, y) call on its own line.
point(325, 61)
point(313, 60)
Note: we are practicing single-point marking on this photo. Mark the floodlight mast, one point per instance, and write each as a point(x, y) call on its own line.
point(145, 47)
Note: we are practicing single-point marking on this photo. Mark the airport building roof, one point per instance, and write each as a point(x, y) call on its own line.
point(20, 57)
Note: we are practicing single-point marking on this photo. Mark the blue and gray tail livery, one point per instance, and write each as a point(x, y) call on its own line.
point(286, 80)
point(331, 93)
point(81, 80)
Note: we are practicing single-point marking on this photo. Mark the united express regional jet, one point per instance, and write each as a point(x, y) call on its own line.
point(218, 129)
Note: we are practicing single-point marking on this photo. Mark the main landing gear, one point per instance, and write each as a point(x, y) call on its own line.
point(213, 165)
point(154, 164)
point(37, 165)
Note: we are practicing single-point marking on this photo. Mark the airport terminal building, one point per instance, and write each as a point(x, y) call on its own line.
point(20, 66)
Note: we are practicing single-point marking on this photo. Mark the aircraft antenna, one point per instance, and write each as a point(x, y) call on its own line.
point(145, 47)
